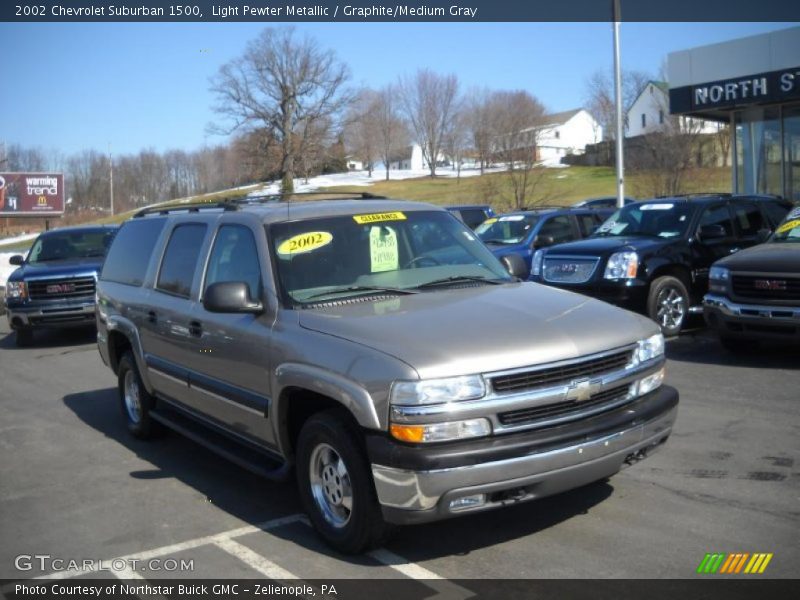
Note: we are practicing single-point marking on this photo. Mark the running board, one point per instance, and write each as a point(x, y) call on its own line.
point(696, 310)
point(248, 457)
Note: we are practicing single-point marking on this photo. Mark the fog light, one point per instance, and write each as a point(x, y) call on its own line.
point(468, 502)
point(651, 382)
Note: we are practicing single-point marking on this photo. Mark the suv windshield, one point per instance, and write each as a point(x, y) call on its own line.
point(70, 245)
point(384, 253)
point(509, 229)
point(659, 219)
point(789, 230)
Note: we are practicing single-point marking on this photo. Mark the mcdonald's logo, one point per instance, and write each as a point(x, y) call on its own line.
point(734, 564)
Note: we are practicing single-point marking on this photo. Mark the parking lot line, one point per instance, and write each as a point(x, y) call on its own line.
point(254, 560)
point(446, 589)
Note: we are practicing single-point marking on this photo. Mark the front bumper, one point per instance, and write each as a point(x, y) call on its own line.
point(75, 313)
point(751, 321)
point(416, 485)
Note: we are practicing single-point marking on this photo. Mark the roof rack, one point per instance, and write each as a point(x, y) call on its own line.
point(276, 196)
point(189, 206)
point(695, 195)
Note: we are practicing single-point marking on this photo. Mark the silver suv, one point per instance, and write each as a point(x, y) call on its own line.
point(379, 351)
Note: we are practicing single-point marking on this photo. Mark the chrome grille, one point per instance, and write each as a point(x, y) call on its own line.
point(51, 289)
point(566, 269)
point(562, 374)
point(610, 397)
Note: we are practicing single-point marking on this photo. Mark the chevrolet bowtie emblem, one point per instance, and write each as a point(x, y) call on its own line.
point(582, 390)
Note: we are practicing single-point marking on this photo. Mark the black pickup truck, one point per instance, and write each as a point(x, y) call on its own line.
point(654, 256)
point(54, 285)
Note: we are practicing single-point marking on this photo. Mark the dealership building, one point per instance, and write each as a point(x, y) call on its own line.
point(752, 83)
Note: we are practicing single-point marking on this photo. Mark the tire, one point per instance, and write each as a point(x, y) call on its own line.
point(335, 484)
point(738, 345)
point(135, 402)
point(24, 337)
point(668, 304)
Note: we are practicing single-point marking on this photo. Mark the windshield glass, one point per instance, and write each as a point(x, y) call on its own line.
point(789, 230)
point(70, 245)
point(333, 258)
point(508, 229)
point(661, 219)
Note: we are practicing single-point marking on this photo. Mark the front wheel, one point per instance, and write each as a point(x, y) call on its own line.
point(335, 484)
point(668, 304)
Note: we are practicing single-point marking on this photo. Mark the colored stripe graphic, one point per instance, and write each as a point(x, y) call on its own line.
point(724, 563)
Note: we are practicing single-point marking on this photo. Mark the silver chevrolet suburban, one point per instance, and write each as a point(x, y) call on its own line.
point(380, 352)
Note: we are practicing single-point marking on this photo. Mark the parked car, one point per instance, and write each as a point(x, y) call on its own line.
point(472, 215)
point(324, 340)
point(654, 256)
point(54, 285)
point(522, 232)
point(608, 202)
point(754, 295)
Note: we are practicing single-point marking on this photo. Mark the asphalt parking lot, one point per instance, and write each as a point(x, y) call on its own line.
point(75, 486)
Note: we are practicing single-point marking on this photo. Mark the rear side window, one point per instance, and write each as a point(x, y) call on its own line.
point(473, 217)
point(180, 259)
point(129, 255)
point(749, 219)
point(776, 212)
point(559, 228)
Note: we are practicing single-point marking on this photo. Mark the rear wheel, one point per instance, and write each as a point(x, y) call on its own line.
point(135, 401)
point(336, 485)
point(24, 337)
point(668, 304)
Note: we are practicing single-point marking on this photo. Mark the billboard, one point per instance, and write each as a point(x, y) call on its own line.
point(31, 194)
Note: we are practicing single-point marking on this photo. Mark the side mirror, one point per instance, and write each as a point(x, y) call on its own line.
point(16, 260)
point(711, 232)
point(230, 297)
point(515, 265)
point(763, 235)
point(542, 241)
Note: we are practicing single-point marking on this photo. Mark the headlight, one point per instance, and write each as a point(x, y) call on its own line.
point(437, 391)
point(536, 263)
point(719, 274)
point(441, 432)
point(16, 289)
point(652, 347)
point(622, 265)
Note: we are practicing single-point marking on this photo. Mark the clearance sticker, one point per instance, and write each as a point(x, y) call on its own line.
point(490, 221)
point(788, 226)
point(305, 242)
point(379, 217)
point(383, 249)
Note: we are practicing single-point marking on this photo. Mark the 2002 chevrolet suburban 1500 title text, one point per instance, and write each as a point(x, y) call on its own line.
point(381, 353)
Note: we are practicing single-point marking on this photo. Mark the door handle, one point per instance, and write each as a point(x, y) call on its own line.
point(196, 328)
point(732, 250)
point(151, 316)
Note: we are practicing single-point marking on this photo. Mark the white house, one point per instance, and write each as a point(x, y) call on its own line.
point(649, 113)
point(566, 133)
point(410, 158)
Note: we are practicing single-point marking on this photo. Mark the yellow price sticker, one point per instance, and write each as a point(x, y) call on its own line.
point(490, 221)
point(788, 226)
point(304, 242)
point(379, 217)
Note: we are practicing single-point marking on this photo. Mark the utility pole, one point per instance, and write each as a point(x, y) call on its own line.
point(111, 178)
point(618, 105)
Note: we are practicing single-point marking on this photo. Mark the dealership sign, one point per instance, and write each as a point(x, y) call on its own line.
point(761, 88)
point(31, 194)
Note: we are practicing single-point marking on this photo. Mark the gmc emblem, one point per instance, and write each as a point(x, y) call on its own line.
point(60, 288)
point(770, 284)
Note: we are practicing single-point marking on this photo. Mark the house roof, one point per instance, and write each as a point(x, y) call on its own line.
point(661, 85)
point(560, 118)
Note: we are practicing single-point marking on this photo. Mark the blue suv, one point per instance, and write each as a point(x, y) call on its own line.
point(523, 232)
point(55, 284)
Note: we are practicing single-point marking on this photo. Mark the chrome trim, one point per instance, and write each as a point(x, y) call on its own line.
point(587, 259)
point(563, 468)
point(228, 401)
point(92, 274)
point(167, 376)
point(734, 309)
point(562, 363)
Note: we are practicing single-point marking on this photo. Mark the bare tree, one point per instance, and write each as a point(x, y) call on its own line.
point(477, 111)
point(281, 83)
point(392, 130)
point(363, 127)
point(517, 121)
point(429, 102)
point(600, 96)
point(456, 140)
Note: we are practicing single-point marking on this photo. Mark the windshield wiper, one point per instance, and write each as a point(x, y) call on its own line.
point(459, 279)
point(364, 288)
point(497, 241)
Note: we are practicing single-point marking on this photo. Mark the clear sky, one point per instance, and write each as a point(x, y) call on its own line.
point(69, 87)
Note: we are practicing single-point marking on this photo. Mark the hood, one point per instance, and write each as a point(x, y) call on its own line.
point(774, 257)
point(500, 250)
point(58, 268)
point(482, 329)
point(605, 246)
